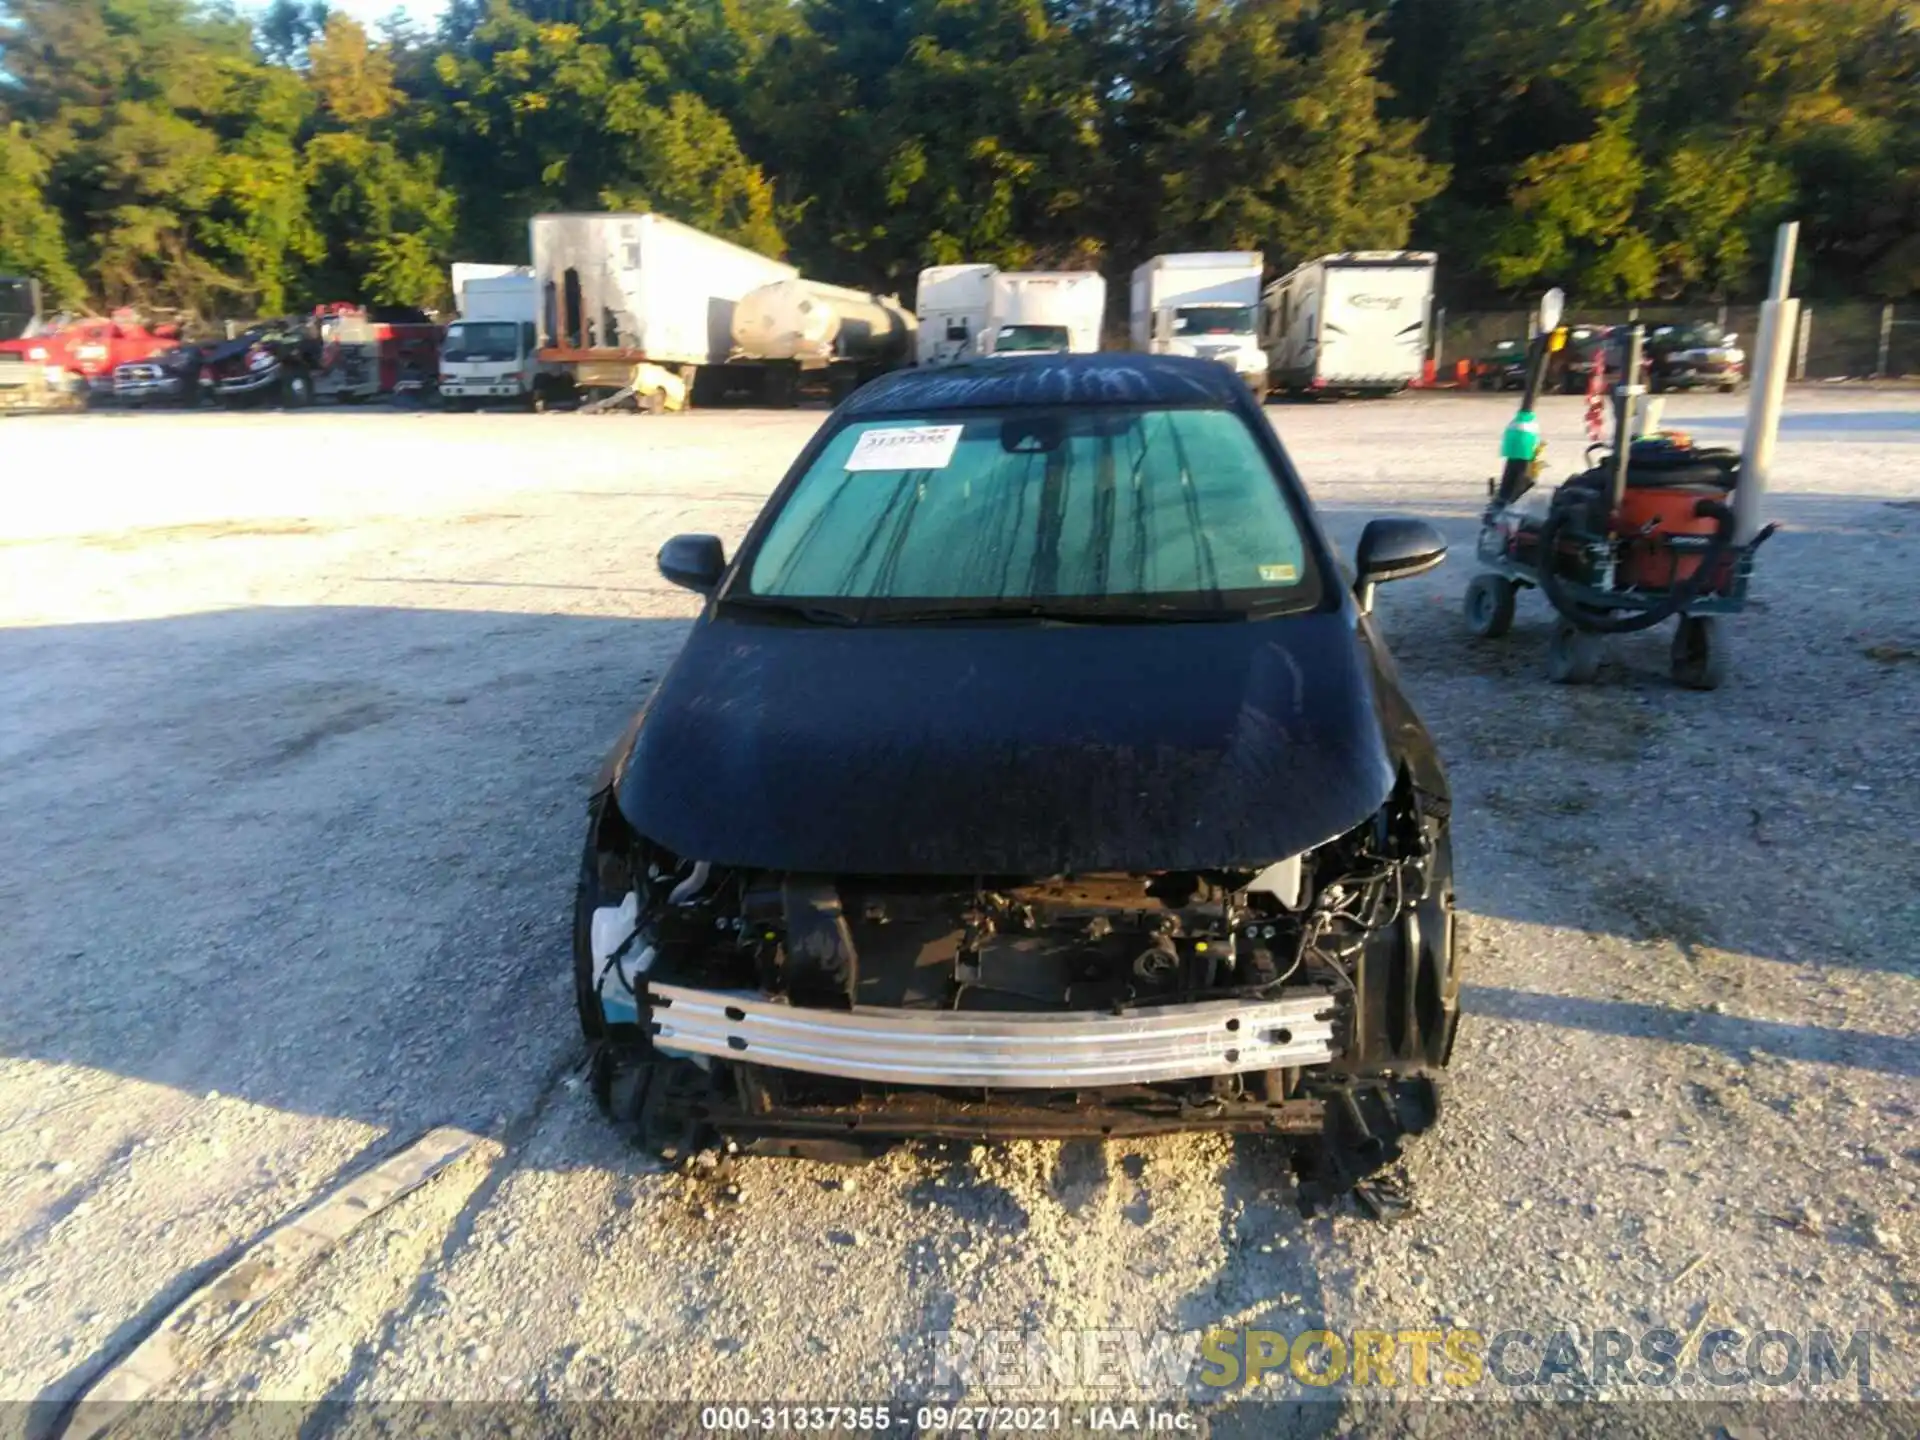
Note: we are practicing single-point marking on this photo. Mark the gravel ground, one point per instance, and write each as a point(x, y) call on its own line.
point(299, 715)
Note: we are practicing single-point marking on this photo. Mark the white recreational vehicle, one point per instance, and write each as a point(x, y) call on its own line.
point(1351, 323)
point(1204, 304)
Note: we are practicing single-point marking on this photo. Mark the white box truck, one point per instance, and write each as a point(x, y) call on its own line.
point(1352, 323)
point(641, 303)
point(1205, 304)
point(491, 353)
point(952, 304)
point(1044, 312)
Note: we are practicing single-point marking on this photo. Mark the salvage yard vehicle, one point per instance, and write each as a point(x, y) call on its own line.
point(1694, 356)
point(1570, 368)
point(271, 362)
point(86, 351)
point(368, 351)
point(172, 377)
point(1033, 769)
point(1504, 367)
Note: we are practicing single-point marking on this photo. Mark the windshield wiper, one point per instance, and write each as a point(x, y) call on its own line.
point(813, 614)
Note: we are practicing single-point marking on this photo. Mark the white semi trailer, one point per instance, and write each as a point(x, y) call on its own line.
point(1205, 304)
point(1044, 311)
point(642, 303)
point(952, 304)
point(1352, 323)
point(797, 329)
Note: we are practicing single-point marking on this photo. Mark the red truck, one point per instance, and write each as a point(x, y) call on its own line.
point(60, 363)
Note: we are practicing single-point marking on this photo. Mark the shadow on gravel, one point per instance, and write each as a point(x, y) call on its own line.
point(319, 859)
point(1811, 1044)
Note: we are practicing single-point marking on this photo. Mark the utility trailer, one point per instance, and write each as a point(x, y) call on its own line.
point(1354, 323)
point(637, 304)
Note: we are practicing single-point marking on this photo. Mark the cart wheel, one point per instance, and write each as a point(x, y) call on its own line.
point(1699, 653)
point(1489, 606)
point(1573, 656)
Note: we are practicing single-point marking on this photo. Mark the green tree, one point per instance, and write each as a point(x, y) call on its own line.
point(543, 113)
point(166, 140)
point(384, 222)
point(30, 239)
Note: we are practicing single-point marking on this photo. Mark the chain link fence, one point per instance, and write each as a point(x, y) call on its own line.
point(1845, 340)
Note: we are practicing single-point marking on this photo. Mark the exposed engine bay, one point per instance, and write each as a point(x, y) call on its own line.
point(789, 1011)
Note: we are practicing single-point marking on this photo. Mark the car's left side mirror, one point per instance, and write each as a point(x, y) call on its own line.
point(694, 562)
point(1394, 548)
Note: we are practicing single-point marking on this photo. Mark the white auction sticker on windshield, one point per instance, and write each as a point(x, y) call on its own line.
point(911, 447)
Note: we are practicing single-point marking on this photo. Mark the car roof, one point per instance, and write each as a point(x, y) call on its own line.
point(1004, 381)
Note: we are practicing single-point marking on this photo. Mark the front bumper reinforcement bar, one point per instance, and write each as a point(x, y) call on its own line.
point(998, 1050)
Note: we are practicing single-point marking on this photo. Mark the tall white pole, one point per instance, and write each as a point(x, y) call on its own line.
point(1779, 318)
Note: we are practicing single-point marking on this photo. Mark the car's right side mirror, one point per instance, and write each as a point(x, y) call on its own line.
point(694, 562)
point(1395, 547)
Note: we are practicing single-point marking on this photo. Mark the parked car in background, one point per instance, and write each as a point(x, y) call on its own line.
point(1694, 356)
point(1504, 367)
point(1570, 368)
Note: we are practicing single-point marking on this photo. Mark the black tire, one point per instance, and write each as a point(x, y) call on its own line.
point(1573, 655)
point(1489, 606)
point(296, 390)
point(1699, 654)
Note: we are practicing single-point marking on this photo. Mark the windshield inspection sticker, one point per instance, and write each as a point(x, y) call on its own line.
point(915, 447)
point(1279, 574)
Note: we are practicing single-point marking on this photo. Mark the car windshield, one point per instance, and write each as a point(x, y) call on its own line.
point(1106, 511)
point(482, 340)
point(1014, 338)
point(1213, 320)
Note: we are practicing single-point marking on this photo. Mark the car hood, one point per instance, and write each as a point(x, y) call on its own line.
point(1019, 749)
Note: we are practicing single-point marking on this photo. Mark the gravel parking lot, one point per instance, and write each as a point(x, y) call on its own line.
point(298, 717)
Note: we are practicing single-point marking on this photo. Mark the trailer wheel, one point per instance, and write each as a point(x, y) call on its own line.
point(1699, 653)
point(1573, 655)
point(1489, 606)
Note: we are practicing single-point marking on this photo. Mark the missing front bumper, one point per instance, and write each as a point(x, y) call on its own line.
point(994, 1050)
